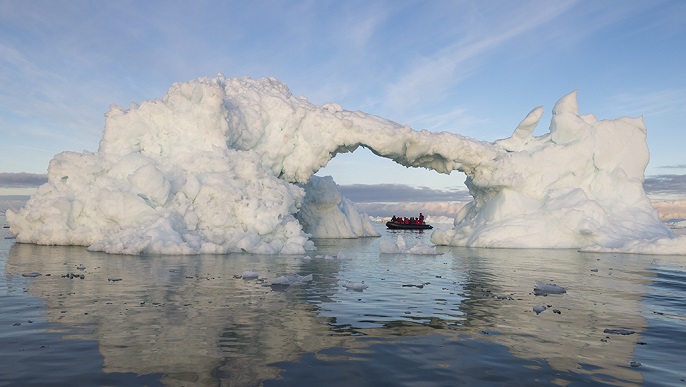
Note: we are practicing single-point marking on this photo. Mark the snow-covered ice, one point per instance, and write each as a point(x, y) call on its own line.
point(327, 214)
point(222, 165)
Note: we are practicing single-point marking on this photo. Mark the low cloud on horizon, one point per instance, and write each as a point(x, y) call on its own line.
point(22, 180)
point(383, 193)
point(667, 185)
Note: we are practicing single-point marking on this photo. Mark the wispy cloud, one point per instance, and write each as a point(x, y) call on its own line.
point(433, 75)
point(648, 103)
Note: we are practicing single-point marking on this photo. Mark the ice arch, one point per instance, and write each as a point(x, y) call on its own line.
point(293, 137)
point(220, 165)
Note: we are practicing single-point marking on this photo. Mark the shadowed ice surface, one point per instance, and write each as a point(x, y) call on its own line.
point(464, 317)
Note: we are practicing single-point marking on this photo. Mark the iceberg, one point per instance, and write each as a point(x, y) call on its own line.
point(221, 165)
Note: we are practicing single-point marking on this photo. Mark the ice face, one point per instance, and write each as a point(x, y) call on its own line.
point(223, 165)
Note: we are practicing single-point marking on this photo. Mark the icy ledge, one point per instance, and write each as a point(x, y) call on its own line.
point(223, 165)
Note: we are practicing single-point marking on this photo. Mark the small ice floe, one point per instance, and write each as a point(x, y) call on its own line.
point(622, 332)
point(343, 256)
point(291, 279)
point(356, 286)
point(400, 246)
point(250, 274)
point(539, 308)
point(81, 267)
point(543, 289)
point(31, 275)
point(339, 257)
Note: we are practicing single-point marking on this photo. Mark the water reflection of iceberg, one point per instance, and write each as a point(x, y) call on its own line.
point(603, 291)
point(187, 316)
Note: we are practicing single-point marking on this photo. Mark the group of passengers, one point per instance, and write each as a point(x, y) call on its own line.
point(410, 220)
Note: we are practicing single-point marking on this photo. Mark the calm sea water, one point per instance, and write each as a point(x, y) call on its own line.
point(464, 317)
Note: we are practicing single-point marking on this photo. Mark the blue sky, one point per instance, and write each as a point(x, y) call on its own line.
point(469, 67)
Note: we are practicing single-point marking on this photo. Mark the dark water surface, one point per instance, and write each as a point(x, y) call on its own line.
point(461, 318)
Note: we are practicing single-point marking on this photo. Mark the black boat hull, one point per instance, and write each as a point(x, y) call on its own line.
point(398, 226)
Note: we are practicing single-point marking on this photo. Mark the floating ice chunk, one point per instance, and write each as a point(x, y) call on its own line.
point(543, 289)
point(539, 308)
point(357, 286)
point(422, 249)
point(400, 246)
point(250, 274)
point(291, 279)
